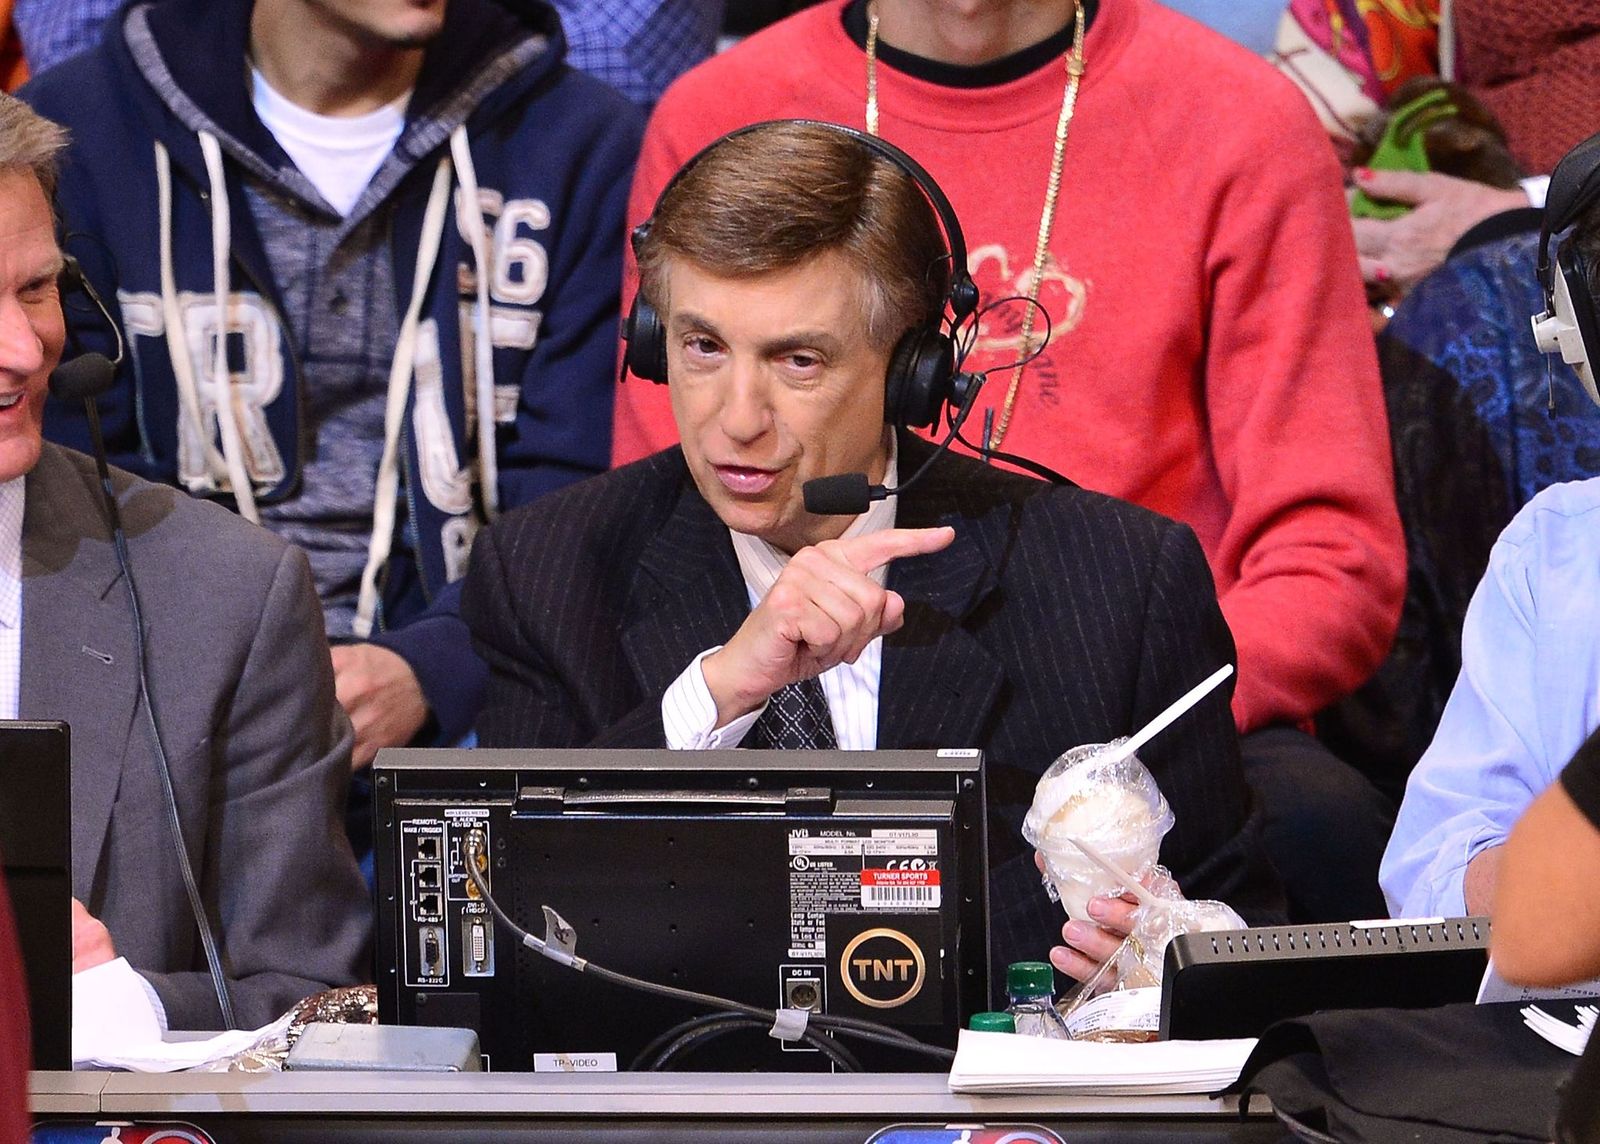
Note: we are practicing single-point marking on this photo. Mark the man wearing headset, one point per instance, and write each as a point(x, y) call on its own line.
point(793, 276)
point(1173, 207)
point(1529, 690)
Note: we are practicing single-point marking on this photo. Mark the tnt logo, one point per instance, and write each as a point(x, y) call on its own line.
point(883, 968)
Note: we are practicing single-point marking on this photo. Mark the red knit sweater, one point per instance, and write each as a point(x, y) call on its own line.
point(1212, 357)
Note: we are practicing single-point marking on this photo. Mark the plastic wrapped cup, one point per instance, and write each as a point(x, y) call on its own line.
point(1113, 804)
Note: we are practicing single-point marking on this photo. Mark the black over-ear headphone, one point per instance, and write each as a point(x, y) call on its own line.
point(922, 368)
point(1568, 325)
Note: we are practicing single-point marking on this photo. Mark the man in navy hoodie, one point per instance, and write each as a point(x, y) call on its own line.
point(409, 214)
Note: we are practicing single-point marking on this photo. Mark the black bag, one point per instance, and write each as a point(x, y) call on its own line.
point(1455, 1073)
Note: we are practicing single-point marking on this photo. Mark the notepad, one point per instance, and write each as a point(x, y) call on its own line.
point(1009, 1063)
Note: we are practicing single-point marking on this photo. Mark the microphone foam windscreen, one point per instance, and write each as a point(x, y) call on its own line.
point(846, 494)
point(82, 378)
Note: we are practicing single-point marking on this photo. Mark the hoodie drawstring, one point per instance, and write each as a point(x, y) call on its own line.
point(471, 213)
point(385, 501)
point(244, 493)
point(176, 336)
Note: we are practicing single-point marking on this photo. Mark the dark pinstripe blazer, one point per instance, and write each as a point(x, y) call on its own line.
point(1056, 617)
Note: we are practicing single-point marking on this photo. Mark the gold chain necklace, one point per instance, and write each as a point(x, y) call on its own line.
point(1073, 60)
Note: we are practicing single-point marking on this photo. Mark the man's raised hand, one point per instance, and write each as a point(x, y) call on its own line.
point(824, 610)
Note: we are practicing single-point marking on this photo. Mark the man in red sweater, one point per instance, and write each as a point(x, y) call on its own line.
point(1210, 355)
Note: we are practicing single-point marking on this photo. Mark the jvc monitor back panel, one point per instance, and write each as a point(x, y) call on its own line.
point(849, 883)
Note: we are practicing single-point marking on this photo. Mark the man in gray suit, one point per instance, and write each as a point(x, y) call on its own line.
point(239, 670)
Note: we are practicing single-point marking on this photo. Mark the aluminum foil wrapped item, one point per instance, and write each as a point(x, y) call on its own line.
point(1110, 802)
point(352, 1005)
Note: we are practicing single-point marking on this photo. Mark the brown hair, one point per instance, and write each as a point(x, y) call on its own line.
point(29, 142)
point(1470, 144)
point(776, 196)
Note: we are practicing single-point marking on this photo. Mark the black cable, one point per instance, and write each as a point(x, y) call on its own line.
point(1027, 358)
point(646, 1054)
point(1042, 471)
point(687, 1042)
point(690, 1036)
point(855, 1024)
point(955, 418)
point(676, 1039)
point(72, 280)
point(208, 941)
point(870, 1031)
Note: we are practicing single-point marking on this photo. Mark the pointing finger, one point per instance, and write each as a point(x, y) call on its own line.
point(864, 553)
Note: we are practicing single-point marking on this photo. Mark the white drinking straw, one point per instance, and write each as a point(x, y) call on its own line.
point(1162, 721)
point(1133, 885)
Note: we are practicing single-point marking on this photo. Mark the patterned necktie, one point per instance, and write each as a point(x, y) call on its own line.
point(796, 719)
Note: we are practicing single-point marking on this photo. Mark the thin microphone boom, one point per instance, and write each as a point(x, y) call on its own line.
point(850, 494)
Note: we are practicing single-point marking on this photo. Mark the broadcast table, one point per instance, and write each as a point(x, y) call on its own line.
point(626, 1108)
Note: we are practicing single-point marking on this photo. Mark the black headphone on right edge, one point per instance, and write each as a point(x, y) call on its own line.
point(1568, 324)
point(922, 372)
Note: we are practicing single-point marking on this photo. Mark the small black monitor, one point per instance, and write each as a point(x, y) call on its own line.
point(36, 853)
point(852, 883)
point(1234, 983)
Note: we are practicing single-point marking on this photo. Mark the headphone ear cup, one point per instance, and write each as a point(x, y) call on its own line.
point(918, 382)
point(963, 294)
point(1573, 268)
point(646, 353)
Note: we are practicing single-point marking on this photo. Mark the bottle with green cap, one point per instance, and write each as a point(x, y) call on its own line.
point(992, 1023)
point(1030, 987)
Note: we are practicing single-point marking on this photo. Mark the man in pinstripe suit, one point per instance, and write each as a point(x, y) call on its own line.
point(682, 600)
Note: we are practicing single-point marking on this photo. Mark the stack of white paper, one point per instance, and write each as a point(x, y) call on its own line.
point(115, 1027)
point(1006, 1062)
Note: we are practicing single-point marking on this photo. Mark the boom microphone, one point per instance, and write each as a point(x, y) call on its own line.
point(84, 378)
point(844, 494)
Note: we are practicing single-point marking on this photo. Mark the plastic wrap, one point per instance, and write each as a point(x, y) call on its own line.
point(1122, 1002)
point(1113, 804)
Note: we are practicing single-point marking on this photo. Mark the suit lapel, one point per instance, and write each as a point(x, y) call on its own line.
point(77, 645)
point(938, 683)
point(687, 596)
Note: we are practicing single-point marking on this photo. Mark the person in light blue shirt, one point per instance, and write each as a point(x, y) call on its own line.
point(1529, 690)
point(1527, 697)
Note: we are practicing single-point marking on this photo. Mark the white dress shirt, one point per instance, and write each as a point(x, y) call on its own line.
point(689, 714)
point(11, 505)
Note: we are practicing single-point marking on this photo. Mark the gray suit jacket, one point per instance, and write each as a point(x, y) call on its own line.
point(258, 748)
